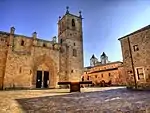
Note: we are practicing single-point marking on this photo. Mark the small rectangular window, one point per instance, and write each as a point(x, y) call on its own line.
point(140, 73)
point(102, 75)
point(135, 48)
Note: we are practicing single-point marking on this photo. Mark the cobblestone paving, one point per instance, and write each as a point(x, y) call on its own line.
point(90, 100)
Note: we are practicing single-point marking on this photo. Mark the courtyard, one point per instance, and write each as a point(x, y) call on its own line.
point(90, 100)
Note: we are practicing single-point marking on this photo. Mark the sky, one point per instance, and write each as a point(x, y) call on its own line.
point(104, 21)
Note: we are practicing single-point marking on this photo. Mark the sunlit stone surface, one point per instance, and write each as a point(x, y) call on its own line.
point(136, 58)
point(90, 100)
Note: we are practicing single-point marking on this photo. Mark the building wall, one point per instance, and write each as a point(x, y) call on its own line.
point(3, 54)
point(24, 61)
point(134, 59)
point(108, 72)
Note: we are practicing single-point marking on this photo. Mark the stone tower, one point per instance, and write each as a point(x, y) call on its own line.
point(70, 38)
point(93, 60)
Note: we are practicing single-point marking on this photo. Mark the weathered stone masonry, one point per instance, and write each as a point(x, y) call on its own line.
point(24, 61)
point(136, 58)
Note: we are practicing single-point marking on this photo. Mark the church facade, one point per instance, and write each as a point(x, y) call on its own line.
point(31, 62)
point(104, 72)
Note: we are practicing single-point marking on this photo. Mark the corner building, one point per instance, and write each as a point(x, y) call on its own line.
point(31, 62)
point(136, 58)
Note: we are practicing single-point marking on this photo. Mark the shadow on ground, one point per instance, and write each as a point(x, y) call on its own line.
point(108, 101)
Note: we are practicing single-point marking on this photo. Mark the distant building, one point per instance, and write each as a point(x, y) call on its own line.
point(31, 62)
point(136, 58)
point(103, 60)
point(93, 60)
point(104, 73)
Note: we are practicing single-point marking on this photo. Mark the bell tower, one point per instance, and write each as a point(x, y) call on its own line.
point(70, 38)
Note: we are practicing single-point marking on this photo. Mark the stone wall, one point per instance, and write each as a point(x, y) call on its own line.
point(3, 55)
point(140, 58)
point(23, 61)
point(17, 72)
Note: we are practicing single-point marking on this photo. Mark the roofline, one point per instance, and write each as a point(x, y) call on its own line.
point(109, 63)
point(30, 37)
point(3, 32)
point(103, 70)
point(137, 31)
point(104, 64)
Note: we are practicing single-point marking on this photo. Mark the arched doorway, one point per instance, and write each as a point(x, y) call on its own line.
point(45, 72)
point(42, 76)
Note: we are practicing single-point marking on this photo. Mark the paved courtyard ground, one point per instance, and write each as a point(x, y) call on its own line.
point(90, 100)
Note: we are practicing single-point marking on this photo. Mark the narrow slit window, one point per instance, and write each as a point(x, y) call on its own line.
point(74, 52)
point(88, 78)
point(61, 41)
point(73, 23)
point(22, 42)
point(20, 70)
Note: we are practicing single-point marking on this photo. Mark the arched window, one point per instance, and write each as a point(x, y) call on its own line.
point(73, 22)
point(44, 45)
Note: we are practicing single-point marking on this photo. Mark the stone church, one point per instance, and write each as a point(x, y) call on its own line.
point(31, 62)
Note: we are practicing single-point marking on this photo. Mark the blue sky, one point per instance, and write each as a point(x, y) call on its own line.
point(104, 21)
